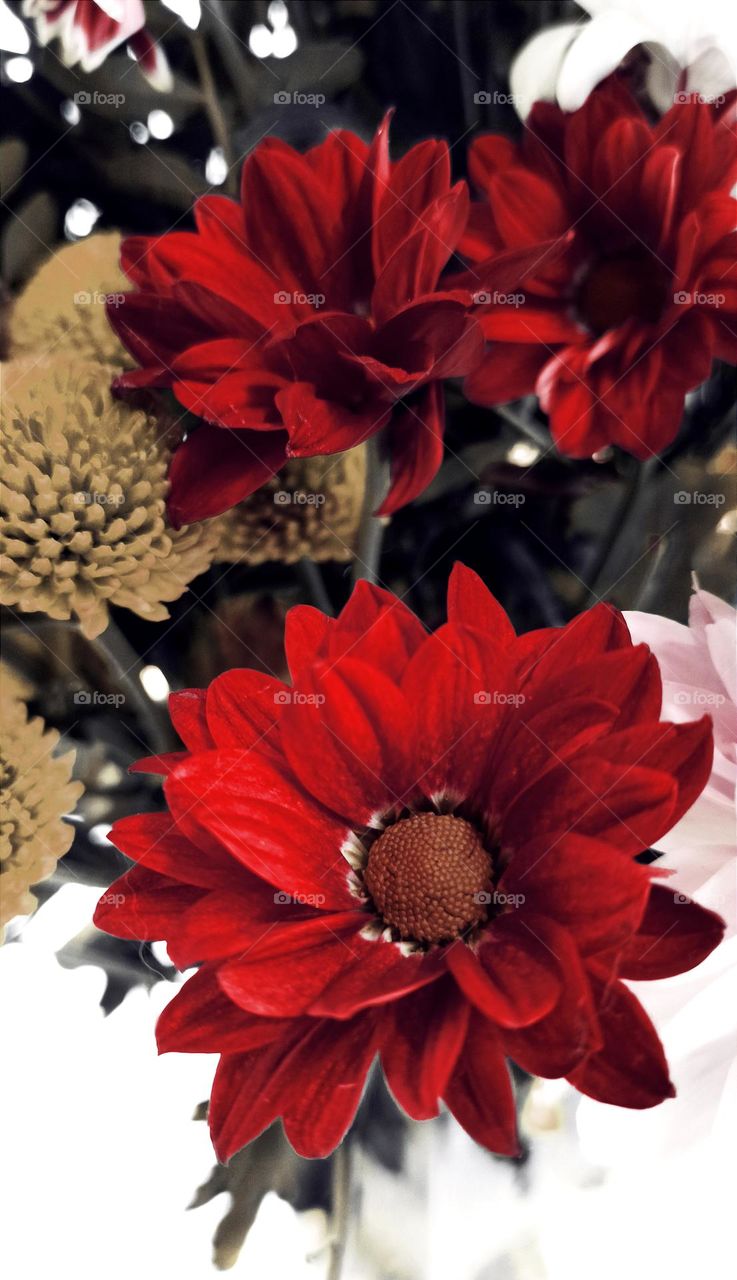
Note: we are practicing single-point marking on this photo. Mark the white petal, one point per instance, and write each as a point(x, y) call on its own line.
point(602, 44)
point(533, 76)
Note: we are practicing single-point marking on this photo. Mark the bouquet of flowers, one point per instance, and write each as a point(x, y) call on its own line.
point(366, 546)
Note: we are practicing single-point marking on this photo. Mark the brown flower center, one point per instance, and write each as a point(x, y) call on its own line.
point(429, 877)
point(628, 285)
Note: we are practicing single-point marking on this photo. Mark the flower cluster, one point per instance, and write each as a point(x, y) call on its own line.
point(425, 848)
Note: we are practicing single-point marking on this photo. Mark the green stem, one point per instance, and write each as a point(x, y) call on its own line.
point(371, 529)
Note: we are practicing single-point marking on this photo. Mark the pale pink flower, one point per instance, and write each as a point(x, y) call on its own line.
point(698, 664)
point(88, 30)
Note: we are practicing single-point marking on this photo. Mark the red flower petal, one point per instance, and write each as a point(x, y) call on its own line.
point(683, 751)
point(459, 685)
point(144, 906)
point(625, 806)
point(286, 967)
point(479, 1093)
point(586, 887)
point(243, 708)
point(375, 627)
point(471, 604)
point(155, 840)
point(305, 633)
point(187, 713)
point(318, 426)
point(505, 374)
point(201, 1019)
point(422, 1036)
point(355, 721)
point(630, 1068)
point(234, 800)
point(553, 1046)
point(214, 469)
point(294, 1077)
point(316, 1113)
point(377, 973)
point(514, 979)
point(675, 935)
point(415, 446)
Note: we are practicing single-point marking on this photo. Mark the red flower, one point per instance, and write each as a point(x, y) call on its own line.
point(90, 29)
point(299, 319)
point(613, 334)
point(425, 848)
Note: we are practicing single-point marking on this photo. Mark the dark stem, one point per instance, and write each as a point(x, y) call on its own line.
point(124, 662)
point(342, 1165)
point(218, 123)
point(631, 490)
point(310, 574)
point(121, 659)
point(214, 16)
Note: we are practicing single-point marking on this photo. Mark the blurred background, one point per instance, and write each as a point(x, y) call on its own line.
point(103, 1147)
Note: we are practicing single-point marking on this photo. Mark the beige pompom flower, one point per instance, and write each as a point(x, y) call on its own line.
point(82, 500)
point(36, 793)
point(62, 307)
point(311, 508)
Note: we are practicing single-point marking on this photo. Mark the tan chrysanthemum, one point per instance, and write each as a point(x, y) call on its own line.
point(62, 307)
point(36, 792)
point(82, 501)
point(312, 508)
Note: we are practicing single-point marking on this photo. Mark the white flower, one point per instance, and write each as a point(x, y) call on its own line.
point(564, 63)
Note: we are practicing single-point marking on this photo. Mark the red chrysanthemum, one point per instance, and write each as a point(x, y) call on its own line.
point(90, 29)
point(425, 848)
point(612, 334)
point(295, 322)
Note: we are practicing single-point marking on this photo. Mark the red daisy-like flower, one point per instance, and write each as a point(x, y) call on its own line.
point(423, 849)
point(89, 30)
point(295, 322)
point(612, 334)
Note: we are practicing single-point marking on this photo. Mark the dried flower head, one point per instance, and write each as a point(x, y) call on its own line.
point(62, 306)
point(82, 503)
point(312, 508)
point(36, 793)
